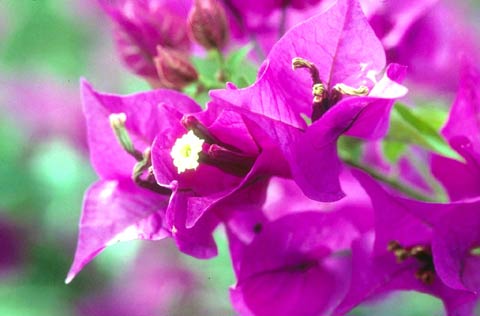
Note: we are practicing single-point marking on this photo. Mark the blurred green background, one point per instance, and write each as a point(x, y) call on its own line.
point(45, 47)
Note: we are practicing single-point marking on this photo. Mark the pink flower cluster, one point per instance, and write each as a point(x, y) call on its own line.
point(313, 227)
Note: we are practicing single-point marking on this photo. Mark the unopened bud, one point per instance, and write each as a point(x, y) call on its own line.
point(174, 69)
point(207, 24)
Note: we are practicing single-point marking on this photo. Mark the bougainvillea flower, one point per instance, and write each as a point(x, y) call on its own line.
point(342, 57)
point(376, 274)
point(244, 225)
point(404, 254)
point(141, 26)
point(293, 266)
point(214, 158)
point(126, 203)
point(462, 180)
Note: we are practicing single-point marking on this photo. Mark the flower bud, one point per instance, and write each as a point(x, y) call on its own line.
point(207, 24)
point(174, 69)
point(139, 26)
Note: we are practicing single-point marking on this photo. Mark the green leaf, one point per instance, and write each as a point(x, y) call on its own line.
point(235, 59)
point(435, 113)
point(410, 128)
point(393, 150)
point(349, 148)
point(207, 68)
point(239, 69)
point(214, 69)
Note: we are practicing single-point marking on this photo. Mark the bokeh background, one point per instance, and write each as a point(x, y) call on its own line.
point(45, 47)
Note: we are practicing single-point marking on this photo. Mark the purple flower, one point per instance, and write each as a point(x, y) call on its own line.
point(462, 180)
point(376, 274)
point(292, 266)
point(142, 25)
point(292, 245)
point(217, 160)
point(126, 203)
point(341, 57)
point(404, 254)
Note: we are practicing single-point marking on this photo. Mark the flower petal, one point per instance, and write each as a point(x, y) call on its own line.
point(116, 211)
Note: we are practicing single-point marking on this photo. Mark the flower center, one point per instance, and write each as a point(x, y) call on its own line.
point(324, 99)
point(423, 254)
point(201, 146)
point(185, 152)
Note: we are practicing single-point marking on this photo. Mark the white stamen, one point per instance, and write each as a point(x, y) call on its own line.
point(185, 152)
point(117, 119)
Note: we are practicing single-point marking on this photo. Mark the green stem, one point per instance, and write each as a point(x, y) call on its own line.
point(392, 182)
point(205, 86)
point(222, 75)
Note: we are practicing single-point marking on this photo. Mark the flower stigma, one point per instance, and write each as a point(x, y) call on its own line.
point(185, 152)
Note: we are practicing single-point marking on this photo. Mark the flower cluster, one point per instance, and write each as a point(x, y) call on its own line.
point(317, 220)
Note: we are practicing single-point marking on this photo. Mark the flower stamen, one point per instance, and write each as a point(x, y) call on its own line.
point(117, 122)
point(423, 254)
point(298, 62)
point(347, 90)
point(323, 97)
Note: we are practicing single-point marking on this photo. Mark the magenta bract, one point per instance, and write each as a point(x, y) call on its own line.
point(344, 50)
point(290, 267)
point(116, 208)
point(462, 180)
point(413, 249)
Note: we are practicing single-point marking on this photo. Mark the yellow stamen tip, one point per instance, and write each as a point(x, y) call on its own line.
point(298, 62)
point(347, 90)
point(185, 152)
